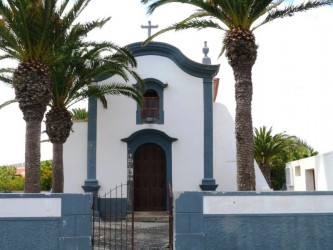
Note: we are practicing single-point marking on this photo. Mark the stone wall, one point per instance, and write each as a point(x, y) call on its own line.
point(45, 221)
point(250, 220)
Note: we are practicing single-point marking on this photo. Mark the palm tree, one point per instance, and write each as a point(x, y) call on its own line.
point(79, 114)
point(74, 82)
point(32, 32)
point(237, 19)
point(267, 148)
point(26, 34)
point(298, 149)
point(272, 152)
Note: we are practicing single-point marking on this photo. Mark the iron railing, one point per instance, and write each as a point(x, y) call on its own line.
point(113, 226)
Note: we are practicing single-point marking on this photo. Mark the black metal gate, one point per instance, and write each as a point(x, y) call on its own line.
point(113, 226)
point(114, 223)
point(170, 217)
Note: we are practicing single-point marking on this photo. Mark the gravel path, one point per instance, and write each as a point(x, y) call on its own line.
point(151, 235)
point(147, 236)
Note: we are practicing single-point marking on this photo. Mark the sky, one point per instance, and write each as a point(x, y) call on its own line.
point(292, 76)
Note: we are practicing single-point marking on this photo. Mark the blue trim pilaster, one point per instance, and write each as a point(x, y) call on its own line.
point(208, 182)
point(91, 183)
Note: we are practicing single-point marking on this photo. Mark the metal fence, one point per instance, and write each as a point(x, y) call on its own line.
point(114, 224)
point(113, 227)
point(170, 217)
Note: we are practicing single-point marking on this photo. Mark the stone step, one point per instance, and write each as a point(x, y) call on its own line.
point(153, 216)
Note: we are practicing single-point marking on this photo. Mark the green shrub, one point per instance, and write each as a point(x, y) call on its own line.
point(10, 181)
point(46, 175)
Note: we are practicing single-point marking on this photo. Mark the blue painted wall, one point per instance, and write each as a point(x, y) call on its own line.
point(113, 208)
point(195, 230)
point(73, 230)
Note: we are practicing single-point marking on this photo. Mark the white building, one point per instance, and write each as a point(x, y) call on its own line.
point(182, 138)
point(312, 173)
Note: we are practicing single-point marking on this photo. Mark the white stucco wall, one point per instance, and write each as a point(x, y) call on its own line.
point(225, 165)
point(322, 167)
point(75, 158)
point(30, 207)
point(183, 119)
point(224, 149)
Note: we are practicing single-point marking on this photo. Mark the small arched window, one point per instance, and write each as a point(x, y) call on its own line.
point(151, 109)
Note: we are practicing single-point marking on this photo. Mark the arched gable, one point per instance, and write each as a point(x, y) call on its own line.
point(166, 50)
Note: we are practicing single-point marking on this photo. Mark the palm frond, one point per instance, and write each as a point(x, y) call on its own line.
point(267, 147)
point(5, 104)
point(290, 10)
point(155, 4)
point(79, 114)
point(6, 79)
point(73, 13)
point(262, 7)
point(43, 30)
point(99, 91)
point(185, 24)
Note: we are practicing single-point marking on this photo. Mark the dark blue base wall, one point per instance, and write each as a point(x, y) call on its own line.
point(112, 207)
point(269, 232)
point(196, 230)
point(71, 230)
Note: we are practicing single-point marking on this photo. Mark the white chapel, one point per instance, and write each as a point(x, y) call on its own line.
point(181, 139)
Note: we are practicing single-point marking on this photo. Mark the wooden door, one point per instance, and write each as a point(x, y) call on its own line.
point(310, 180)
point(149, 178)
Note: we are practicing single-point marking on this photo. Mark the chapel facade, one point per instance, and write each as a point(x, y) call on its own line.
point(180, 140)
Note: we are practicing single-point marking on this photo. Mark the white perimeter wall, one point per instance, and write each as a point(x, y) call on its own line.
point(323, 172)
point(269, 204)
point(30, 207)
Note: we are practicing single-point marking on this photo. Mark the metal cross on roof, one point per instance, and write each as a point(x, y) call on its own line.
point(149, 27)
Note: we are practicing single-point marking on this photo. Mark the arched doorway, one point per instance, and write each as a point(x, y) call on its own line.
point(150, 192)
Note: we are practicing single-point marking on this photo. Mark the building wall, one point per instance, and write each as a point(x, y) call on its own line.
point(45, 221)
point(251, 220)
point(183, 120)
point(299, 173)
point(75, 158)
point(225, 164)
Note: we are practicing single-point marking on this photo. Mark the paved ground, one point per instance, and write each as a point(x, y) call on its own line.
point(151, 235)
point(147, 235)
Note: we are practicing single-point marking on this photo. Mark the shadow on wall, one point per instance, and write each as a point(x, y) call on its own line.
point(225, 165)
point(224, 148)
point(327, 171)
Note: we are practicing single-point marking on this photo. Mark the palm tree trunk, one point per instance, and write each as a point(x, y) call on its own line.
point(57, 168)
point(244, 136)
point(32, 157)
point(242, 55)
point(266, 171)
